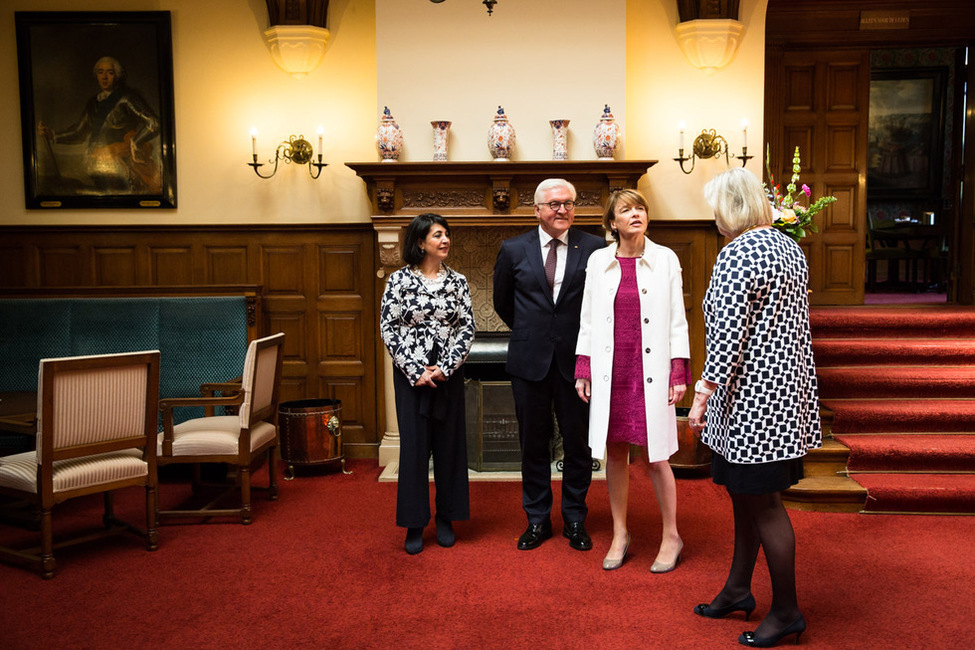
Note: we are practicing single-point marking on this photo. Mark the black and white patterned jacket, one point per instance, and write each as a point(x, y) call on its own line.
point(759, 352)
point(414, 321)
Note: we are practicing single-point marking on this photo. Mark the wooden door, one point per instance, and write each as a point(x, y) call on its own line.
point(819, 100)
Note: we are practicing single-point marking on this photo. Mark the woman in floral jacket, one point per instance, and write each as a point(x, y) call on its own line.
point(427, 324)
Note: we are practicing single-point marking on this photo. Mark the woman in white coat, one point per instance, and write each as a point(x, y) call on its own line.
point(632, 366)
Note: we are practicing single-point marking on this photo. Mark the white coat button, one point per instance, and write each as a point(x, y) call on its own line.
point(605, 377)
point(649, 380)
point(643, 290)
point(608, 348)
point(646, 320)
point(609, 319)
point(648, 350)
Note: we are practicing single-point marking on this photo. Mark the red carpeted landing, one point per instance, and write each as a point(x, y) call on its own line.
point(324, 567)
point(901, 384)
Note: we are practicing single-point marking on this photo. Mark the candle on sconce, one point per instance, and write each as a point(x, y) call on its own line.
point(320, 132)
point(680, 126)
point(744, 133)
point(254, 140)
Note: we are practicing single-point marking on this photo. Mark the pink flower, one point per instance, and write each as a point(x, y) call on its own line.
point(806, 190)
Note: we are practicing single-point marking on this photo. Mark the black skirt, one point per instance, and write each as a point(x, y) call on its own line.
point(755, 478)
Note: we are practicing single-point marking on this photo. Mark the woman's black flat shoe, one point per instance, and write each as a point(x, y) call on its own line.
point(414, 540)
point(746, 604)
point(797, 627)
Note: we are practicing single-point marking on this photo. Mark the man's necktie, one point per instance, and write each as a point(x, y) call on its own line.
point(551, 261)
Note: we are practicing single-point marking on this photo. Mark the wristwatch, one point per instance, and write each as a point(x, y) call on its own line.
point(699, 387)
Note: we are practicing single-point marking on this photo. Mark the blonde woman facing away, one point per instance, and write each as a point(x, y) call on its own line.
point(757, 400)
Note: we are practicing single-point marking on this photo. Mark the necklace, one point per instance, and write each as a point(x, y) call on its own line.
point(430, 282)
point(751, 227)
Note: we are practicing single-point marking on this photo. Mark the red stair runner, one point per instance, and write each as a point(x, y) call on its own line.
point(901, 384)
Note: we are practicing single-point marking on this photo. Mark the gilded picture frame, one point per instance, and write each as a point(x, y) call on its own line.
point(97, 118)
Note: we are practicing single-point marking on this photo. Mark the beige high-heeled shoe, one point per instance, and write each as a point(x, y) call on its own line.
point(660, 567)
point(611, 564)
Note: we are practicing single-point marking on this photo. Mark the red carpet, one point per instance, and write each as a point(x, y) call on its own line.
point(901, 384)
point(323, 567)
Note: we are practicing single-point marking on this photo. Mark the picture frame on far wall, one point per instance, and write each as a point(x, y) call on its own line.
point(905, 137)
point(96, 105)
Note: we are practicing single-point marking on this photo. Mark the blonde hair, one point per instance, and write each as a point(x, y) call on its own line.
point(625, 198)
point(738, 200)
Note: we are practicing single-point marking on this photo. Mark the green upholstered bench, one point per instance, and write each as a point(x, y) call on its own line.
point(201, 332)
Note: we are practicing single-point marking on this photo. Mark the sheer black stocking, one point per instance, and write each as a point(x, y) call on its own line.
point(762, 521)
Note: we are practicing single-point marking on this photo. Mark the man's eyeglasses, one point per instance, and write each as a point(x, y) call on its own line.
point(555, 205)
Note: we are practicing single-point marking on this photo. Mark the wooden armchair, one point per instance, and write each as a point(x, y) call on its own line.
point(96, 432)
point(238, 439)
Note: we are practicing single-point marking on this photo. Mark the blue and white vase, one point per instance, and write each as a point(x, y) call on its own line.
point(441, 132)
point(501, 137)
point(606, 138)
point(389, 138)
point(560, 139)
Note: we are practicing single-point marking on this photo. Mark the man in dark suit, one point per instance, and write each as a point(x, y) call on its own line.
point(538, 293)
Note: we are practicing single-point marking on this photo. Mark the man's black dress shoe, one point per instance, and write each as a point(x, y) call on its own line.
point(578, 537)
point(534, 535)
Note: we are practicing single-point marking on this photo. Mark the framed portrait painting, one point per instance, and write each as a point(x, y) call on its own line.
point(906, 133)
point(96, 93)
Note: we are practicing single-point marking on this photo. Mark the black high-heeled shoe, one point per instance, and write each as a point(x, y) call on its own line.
point(796, 627)
point(746, 604)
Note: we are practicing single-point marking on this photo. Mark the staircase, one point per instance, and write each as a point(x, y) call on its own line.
point(897, 387)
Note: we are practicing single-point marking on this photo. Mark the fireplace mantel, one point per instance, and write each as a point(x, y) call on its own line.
point(488, 193)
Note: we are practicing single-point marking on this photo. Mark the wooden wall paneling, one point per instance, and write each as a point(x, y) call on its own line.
point(170, 265)
point(308, 274)
point(838, 267)
point(225, 264)
point(799, 95)
point(347, 329)
point(842, 215)
point(60, 265)
point(842, 91)
point(12, 266)
point(283, 269)
point(114, 265)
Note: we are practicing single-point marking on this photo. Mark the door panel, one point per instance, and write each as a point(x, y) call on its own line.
point(821, 107)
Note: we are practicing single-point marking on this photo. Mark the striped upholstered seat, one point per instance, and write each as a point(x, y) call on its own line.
point(96, 432)
point(237, 440)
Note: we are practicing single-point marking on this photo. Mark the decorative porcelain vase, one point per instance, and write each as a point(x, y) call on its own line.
point(560, 139)
point(389, 139)
point(441, 131)
point(501, 137)
point(606, 137)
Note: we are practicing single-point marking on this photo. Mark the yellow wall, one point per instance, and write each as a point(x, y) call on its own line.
point(226, 82)
point(540, 60)
point(663, 88)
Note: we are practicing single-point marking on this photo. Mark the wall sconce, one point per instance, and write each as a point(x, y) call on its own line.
point(711, 145)
point(294, 150)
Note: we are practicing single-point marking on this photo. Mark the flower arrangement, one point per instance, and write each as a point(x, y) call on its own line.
point(789, 215)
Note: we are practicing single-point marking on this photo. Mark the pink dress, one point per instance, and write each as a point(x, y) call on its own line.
point(627, 410)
